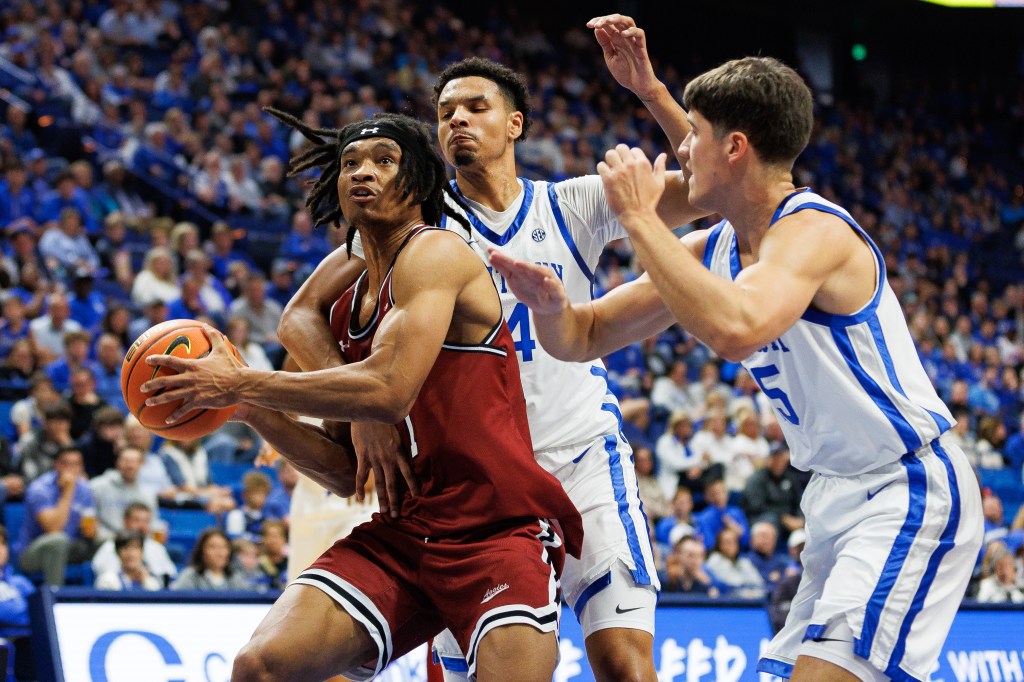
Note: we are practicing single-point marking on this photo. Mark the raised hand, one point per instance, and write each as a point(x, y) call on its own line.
point(625, 52)
point(378, 449)
point(631, 183)
point(535, 285)
point(206, 383)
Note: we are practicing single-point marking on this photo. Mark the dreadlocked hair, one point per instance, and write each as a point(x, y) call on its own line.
point(421, 171)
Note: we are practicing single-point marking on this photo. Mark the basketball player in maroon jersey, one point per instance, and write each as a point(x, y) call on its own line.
point(426, 349)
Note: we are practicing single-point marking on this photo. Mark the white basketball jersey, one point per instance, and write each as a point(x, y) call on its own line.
point(564, 226)
point(849, 390)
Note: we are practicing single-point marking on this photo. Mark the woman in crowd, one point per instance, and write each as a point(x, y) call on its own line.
point(210, 567)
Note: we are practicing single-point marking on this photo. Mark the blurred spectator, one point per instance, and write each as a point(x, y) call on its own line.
point(247, 564)
point(1001, 585)
point(303, 248)
point(187, 464)
point(137, 519)
point(17, 201)
point(223, 253)
point(118, 488)
point(773, 494)
point(153, 474)
point(16, 132)
point(656, 505)
point(48, 331)
point(1014, 452)
point(749, 449)
point(68, 206)
point(251, 352)
point(153, 313)
point(156, 281)
point(680, 523)
point(107, 371)
point(132, 573)
point(115, 323)
point(279, 500)
point(84, 401)
point(18, 255)
point(735, 573)
point(781, 598)
point(38, 450)
point(274, 553)
point(27, 413)
point(215, 298)
point(685, 569)
point(764, 539)
point(119, 194)
point(991, 439)
point(671, 392)
point(210, 567)
point(16, 372)
point(88, 306)
point(100, 444)
point(13, 325)
point(60, 519)
point(995, 523)
point(281, 287)
point(12, 483)
point(15, 624)
point(677, 464)
point(76, 356)
point(263, 314)
point(712, 444)
point(720, 514)
point(247, 520)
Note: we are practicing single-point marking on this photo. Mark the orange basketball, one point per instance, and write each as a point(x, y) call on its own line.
point(184, 339)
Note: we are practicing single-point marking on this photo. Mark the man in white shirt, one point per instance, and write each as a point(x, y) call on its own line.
point(137, 518)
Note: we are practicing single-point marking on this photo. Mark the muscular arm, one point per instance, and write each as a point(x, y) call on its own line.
point(304, 330)
point(381, 388)
point(307, 446)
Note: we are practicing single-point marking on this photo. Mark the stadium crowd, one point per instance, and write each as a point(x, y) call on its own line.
point(142, 182)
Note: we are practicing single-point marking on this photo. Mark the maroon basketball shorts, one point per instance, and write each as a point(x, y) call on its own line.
point(405, 590)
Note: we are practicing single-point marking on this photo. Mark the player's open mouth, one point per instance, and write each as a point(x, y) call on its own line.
point(361, 194)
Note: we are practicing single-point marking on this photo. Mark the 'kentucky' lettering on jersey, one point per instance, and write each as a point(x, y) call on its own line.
point(849, 390)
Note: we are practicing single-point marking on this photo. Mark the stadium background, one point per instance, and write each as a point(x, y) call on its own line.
point(920, 132)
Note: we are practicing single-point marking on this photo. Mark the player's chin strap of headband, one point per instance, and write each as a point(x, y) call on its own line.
point(379, 128)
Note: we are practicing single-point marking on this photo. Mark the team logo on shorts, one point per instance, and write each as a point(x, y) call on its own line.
point(539, 234)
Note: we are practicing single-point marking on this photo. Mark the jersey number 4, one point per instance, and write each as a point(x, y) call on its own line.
point(776, 394)
point(520, 319)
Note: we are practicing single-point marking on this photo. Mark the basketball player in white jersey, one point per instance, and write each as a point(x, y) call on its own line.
point(575, 424)
point(789, 285)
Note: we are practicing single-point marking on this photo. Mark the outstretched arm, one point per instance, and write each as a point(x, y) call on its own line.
point(625, 53)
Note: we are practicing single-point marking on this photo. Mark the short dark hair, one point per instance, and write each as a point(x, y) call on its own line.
point(136, 506)
point(512, 85)
point(128, 537)
point(760, 97)
point(58, 410)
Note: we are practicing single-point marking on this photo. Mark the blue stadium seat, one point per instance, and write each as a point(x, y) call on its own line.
point(7, 429)
point(14, 516)
point(185, 525)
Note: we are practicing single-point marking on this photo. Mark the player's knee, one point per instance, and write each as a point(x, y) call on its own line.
point(622, 664)
point(254, 664)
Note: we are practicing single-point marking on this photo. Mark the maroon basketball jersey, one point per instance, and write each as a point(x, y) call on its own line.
point(467, 432)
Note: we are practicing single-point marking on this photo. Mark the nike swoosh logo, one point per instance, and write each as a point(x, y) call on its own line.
point(181, 340)
point(619, 609)
point(872, 494)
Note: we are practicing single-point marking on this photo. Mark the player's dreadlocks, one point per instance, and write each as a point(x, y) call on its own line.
point(421, 171)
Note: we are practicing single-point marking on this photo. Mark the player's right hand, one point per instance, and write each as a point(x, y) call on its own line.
point(535, 285)
point(625, 53)
point(378, 449)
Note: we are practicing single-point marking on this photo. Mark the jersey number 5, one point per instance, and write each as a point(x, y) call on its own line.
point(520, 319)
point(786, 410)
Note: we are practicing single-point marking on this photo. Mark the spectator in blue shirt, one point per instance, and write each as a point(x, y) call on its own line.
point(302, 247)
point(720, 514)
point(107, 371)
point(13, 324)
point(60, 519)
point(14, 589)
point(88, 306)
point(223, 253)
point(67, 194)
point(16, 130)
point(1014, 451)
point(279, 501)
point(16, 199)
point(76, 355)
point(281, 287)
point(764, 540)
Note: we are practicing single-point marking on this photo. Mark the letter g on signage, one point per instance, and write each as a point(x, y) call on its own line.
point(98, 655)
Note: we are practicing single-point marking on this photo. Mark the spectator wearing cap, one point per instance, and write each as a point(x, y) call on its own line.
point(107, 368)
point(281, 287)
point(99, 445)
point(14, 324)
point(223, 253)
point(773, 494)
point(117, 488)
point(60, 524)
point(64, 246)
point(67, 194)
point(75, 355)
point(132, 574)
point(88, 306)
point(16, 198)
point(156, 281)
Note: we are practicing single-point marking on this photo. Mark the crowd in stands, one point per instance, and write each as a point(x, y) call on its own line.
point(141, 181)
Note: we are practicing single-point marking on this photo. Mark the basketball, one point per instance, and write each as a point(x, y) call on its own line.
point(183, 339)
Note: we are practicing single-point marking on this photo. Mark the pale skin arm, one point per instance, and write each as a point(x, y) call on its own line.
point(624, 45)
point(735, 318)
point(54, 518)
point(305, 333)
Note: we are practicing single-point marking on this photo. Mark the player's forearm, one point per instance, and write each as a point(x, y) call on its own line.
point(308, 448)
point(705, 304)
point(306, 336)
point(669, 114)
point(364, 391)
point(565, 335)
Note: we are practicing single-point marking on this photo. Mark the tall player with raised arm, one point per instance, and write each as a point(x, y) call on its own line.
point(790, 285)
point(483, 109)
